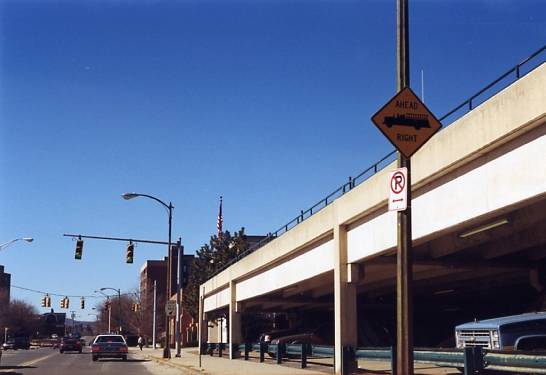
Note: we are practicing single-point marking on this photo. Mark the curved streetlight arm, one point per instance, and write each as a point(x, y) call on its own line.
point(118, 291)
point(128, 196)
point(6, 244)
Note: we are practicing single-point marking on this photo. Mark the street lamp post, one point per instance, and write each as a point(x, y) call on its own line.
point(6, 244)
point(119, 306)
point(169, 207)
point(109, 306)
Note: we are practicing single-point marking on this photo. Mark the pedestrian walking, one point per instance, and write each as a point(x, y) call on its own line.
point(140, 342)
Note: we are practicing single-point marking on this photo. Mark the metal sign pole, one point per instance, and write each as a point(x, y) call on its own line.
point(404, 306)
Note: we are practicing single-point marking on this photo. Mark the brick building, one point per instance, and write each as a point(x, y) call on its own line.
point(156, 270)
point(5, 285)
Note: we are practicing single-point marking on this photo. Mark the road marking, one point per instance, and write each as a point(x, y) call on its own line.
point(36, 360)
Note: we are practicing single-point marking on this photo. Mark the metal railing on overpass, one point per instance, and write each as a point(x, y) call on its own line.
point(518, 71)
point(473, 360)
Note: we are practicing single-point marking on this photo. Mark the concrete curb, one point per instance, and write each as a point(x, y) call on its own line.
point(190, 370)
point(186, 370)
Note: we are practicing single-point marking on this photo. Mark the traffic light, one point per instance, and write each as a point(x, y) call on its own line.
point(79, 249)
point(133, 307)
point(82, 303)
point(44, 301)
point(130, 252)
point(65, 303)
point(48, 300)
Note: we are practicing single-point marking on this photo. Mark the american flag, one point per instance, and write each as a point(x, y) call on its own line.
point(220, 220)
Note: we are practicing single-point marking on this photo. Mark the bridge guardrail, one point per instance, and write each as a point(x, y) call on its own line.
point(469, 103)
point(473, 360)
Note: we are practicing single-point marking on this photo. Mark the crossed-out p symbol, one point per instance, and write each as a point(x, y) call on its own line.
point(398, 182)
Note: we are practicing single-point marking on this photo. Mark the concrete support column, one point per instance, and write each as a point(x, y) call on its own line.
point(235, 337)
point(345, 315)
point(203, 323)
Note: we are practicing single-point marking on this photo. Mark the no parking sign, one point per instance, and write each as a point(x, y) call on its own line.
point(398, 189)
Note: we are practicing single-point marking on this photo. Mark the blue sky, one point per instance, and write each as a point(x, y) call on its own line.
point(264, 102)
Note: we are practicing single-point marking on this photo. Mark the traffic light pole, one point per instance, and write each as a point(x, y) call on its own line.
point(115, 239)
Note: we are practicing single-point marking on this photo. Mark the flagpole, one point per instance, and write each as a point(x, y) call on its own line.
point(220, 219)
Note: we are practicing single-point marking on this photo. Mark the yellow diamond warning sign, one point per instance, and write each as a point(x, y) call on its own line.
point(406, 122)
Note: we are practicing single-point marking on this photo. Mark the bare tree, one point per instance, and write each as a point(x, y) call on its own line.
point(20, 318)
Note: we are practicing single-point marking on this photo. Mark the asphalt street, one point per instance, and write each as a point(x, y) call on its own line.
point(48, 361)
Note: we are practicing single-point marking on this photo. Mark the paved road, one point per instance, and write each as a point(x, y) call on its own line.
point(47, 361)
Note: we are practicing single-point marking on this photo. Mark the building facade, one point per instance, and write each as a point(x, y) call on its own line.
point(5, 285)
point(156, 271)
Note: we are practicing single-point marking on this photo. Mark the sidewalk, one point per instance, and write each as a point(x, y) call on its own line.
point(188, 363)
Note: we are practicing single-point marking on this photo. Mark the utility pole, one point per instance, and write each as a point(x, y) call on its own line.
point(73, 316)
point(109, 313)
point(404, 279)
point(153, 325)
point(179, 270)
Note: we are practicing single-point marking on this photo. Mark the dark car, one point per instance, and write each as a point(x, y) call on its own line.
point(17, 343)
point(267, 337)
point(70, 344)
point(315, 336)
point(109, 346)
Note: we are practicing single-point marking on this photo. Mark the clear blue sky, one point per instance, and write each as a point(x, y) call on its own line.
point(264, 102)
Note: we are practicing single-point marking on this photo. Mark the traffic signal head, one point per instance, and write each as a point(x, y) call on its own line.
point(133, 307)
point(65, 303)
point(44, 302)
point(130, 252)
point(79, 249)
point(82, 303)
point(48, 301)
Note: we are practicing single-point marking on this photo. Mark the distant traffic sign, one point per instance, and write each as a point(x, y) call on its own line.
point(398, 189)
point(406, 122)
point(170, 308)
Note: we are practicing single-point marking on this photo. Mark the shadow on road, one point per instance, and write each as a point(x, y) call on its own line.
point(117, 360)
point(8, 367)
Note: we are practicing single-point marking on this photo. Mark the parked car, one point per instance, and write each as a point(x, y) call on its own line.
point(515, 332)
point(15, 343)
point(70, 344)
point(109, 346)
point(274, 334)
point(9, 344)
point(314, 336)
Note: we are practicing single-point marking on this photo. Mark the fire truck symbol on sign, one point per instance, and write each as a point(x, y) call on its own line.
point(406, 122)
point(416, 121)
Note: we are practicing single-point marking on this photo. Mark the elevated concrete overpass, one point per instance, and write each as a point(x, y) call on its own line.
point(479, 218)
